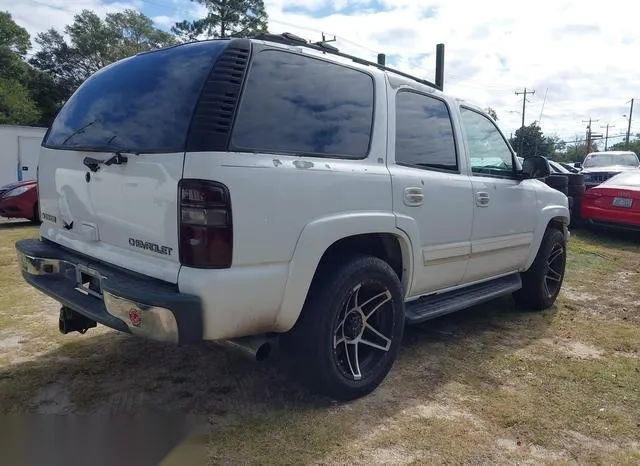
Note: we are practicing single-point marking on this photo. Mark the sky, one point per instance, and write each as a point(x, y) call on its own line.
point(581, 55)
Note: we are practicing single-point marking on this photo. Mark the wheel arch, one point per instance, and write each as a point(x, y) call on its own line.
point(556, 217)
point(325, 243)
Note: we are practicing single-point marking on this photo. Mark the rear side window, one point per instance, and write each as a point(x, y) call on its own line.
point(424, 133)
point(142, 104)
point(301, 105)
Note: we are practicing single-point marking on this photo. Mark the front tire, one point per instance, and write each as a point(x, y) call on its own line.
point(541, 284)
point(347, 337)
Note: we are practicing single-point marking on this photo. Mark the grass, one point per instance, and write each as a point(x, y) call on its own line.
point(487, 385)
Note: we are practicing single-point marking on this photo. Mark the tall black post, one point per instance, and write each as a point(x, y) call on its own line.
point(440, 66)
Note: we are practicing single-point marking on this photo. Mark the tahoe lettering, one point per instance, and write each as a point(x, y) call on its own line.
point(138, 243)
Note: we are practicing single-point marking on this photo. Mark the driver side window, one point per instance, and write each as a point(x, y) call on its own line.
point(488, 151)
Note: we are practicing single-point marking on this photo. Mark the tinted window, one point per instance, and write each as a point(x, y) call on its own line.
point(143, 103)
point(424, 134)
point(488, 151)
point(297, 104)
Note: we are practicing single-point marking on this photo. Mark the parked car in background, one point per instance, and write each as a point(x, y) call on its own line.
point(600, 166)
point(569, 183)
point(569, 167)
point(20, 200)
point(615, 202)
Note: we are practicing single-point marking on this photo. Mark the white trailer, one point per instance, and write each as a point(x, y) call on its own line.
point(19, 152)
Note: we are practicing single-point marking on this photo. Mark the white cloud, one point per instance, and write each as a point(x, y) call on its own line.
point(584, 53)
point(581, 52)
point(164, 21)
point(40, 15)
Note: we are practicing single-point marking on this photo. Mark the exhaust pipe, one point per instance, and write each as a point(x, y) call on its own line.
point(257, 348)
point(72, 321)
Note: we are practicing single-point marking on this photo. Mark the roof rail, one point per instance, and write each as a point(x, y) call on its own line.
point(291, 39)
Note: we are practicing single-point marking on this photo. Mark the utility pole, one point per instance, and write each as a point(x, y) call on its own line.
point(606, 135)
point(588, 133)
point(524, 105)
point(629, 127)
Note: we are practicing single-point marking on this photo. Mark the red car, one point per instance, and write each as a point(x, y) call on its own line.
point(20, 200)
point(615, 202)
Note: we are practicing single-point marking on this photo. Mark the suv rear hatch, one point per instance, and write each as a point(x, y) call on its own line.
point(111, 162)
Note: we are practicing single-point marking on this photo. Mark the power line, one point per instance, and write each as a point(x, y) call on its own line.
point(543, 102)
point(55, 7)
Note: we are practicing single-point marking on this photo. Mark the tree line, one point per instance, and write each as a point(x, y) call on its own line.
point(534, 142)
point(36, 81)
point(34, 86)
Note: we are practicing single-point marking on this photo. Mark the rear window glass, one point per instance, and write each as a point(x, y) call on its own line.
point(603, 160)
point(306, 106)
point(142, 104)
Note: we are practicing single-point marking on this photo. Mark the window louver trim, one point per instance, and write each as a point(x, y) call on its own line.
point(213, 117)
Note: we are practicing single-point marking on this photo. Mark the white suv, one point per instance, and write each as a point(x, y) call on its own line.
point(240, 190)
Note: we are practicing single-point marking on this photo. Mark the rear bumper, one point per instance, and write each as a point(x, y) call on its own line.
point(614, 224)
point(614, 218)
point(124, 301)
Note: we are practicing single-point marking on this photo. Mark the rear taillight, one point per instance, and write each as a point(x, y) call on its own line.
point(588, 194)
point(206, 229)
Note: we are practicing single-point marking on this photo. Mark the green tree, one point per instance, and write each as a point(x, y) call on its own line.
point(634, 145)
point(14, 43)
point(47, 95)
point(533, 141)
point(492, 113)
point(225, 18)
point(93, 43)
point(132, 32)
point(16, 103)
point(572, 153)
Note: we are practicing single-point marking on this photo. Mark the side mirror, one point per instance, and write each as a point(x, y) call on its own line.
point(535, 167)
point(578, 164)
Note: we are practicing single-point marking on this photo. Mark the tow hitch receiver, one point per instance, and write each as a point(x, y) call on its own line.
point(72, 321)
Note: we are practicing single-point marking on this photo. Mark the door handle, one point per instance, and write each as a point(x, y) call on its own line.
point(482, 199)
point(413, 196)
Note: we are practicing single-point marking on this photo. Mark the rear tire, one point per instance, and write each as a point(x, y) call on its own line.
point(541, 284)
point(348, 334)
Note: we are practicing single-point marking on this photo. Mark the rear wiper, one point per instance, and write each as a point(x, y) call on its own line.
point(117, 159)
point(79, 130)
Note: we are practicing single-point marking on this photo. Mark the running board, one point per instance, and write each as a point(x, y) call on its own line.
point(436, 305)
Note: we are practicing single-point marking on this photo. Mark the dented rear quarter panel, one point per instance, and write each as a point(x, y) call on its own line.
point(275, 198)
